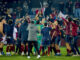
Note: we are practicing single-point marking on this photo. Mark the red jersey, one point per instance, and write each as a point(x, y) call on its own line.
point(67, 27)
point(74, 29)
point(37, 11)
point(57, 30)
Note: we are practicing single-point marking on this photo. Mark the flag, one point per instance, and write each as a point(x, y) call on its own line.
point(62, 15)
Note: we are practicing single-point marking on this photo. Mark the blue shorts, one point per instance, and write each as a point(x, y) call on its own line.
point(24, 41)
point(46, 42)
point(57, 39)
point(74, 40)
point(67, 39)
point(18, 41)
point(78, 33)
point(53, 40)
point(10, 40)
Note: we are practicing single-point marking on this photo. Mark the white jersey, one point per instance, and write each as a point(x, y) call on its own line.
point(14, 33)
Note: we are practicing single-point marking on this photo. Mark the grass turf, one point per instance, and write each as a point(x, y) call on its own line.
point(51, 57)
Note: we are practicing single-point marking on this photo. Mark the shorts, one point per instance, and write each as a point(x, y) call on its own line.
point(10, 40)
point(24, 41)
point(57, 39)
point(46, 42)
point(18, 41)
point(74, 40)
point(78, 33)
point(67, 39)
point(53, 40)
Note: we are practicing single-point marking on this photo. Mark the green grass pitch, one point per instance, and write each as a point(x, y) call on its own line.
point(51, 57)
